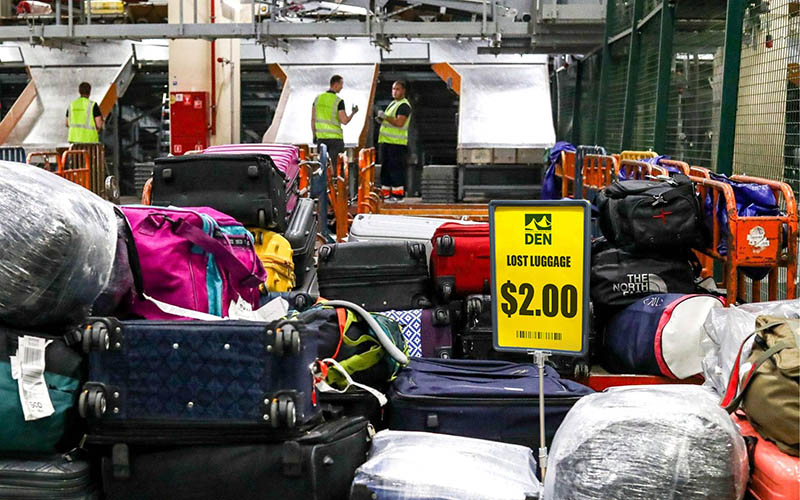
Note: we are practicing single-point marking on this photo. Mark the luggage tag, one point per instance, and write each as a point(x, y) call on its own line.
point(27, 368)
point(273, 310)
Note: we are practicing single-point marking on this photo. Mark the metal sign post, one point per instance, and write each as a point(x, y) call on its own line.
point(540, 253)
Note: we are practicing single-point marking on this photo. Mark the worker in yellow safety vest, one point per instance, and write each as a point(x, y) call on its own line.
point(84, 118)
point(327, 117)
point(393, 140)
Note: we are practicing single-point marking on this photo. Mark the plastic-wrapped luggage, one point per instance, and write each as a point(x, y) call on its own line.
point(726, 330)
point(423, 466)
point(641, 443)
point(57, 247)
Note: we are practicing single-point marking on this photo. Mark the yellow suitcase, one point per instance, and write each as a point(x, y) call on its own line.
point(275, 253)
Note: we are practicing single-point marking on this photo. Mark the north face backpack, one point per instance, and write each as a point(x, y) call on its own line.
point(618, 278)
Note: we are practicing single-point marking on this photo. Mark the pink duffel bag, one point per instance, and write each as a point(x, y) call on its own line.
point(194, 263)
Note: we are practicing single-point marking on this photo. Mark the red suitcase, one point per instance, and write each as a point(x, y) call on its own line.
point(776, 475)
point(460, 261)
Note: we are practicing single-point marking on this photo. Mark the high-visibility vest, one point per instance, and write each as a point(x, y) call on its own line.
point(326, 116)
point(81, 121)
point(388, 132)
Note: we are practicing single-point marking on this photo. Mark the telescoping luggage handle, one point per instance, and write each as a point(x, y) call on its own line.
point(731, 399)
point(384, 339)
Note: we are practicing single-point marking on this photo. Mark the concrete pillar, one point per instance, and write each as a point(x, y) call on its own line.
point(190, 63)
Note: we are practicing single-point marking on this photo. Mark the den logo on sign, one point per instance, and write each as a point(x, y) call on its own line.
point(538, 229)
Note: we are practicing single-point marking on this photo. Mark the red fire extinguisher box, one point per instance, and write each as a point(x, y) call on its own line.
point(188, 121)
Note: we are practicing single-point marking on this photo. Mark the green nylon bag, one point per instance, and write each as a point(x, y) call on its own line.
point(63, 376)
point(348, 339)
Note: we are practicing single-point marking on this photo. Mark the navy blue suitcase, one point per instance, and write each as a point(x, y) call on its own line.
point(197, 380)
point(493, 400)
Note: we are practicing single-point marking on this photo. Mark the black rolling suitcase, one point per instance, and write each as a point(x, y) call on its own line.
point(377, 275)
point(51, 477)
point(197, 381)
point(302, 234)
point(249, 188)
point(318, 465)
point(476, 342)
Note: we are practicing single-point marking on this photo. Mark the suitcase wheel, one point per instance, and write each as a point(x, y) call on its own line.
point(282, 412)
point(287, 340)
point(581, 370)
point(422, 302)
point(325, 252)
point(301, 302)
point(92, 402)
point(95, 337)
point(474, 307)
point(262, 218)
point(441, 316)
point(416, 251)
point(445, 246)
point(446, 290)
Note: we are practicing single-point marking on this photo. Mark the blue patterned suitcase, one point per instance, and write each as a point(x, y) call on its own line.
point(149, 378)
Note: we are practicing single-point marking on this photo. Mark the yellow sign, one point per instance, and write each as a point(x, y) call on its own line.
point(540, 275)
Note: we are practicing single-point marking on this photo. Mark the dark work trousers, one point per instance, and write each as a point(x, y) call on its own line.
point(393, 165)
point(335, 146)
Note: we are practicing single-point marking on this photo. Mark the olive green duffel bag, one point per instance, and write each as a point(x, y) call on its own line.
point(770, 390)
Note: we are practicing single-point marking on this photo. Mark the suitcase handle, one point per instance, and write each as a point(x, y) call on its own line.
point(384, 339)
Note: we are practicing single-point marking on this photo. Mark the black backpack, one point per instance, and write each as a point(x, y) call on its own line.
point(619, 278)
point(662, 216)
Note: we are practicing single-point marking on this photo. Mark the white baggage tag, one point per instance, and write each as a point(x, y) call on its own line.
point(33, 392)
point(273, 310)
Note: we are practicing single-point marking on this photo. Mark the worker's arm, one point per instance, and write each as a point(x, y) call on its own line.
point(66, 122)
point(397, 121)
point(98, 122)
point(313, 126)
point(344, 118)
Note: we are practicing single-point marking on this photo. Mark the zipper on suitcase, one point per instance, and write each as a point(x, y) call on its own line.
point(493, 401)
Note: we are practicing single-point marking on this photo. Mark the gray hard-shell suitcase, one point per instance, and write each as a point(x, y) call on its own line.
point(301, 235)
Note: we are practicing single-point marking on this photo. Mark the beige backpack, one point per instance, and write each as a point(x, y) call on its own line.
point(770, 390)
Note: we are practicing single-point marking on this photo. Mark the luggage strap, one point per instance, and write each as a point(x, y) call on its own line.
point(731, 399)
point(321, 369)
point(223, 254)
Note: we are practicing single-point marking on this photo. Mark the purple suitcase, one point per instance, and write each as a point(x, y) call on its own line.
point(428, 332)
